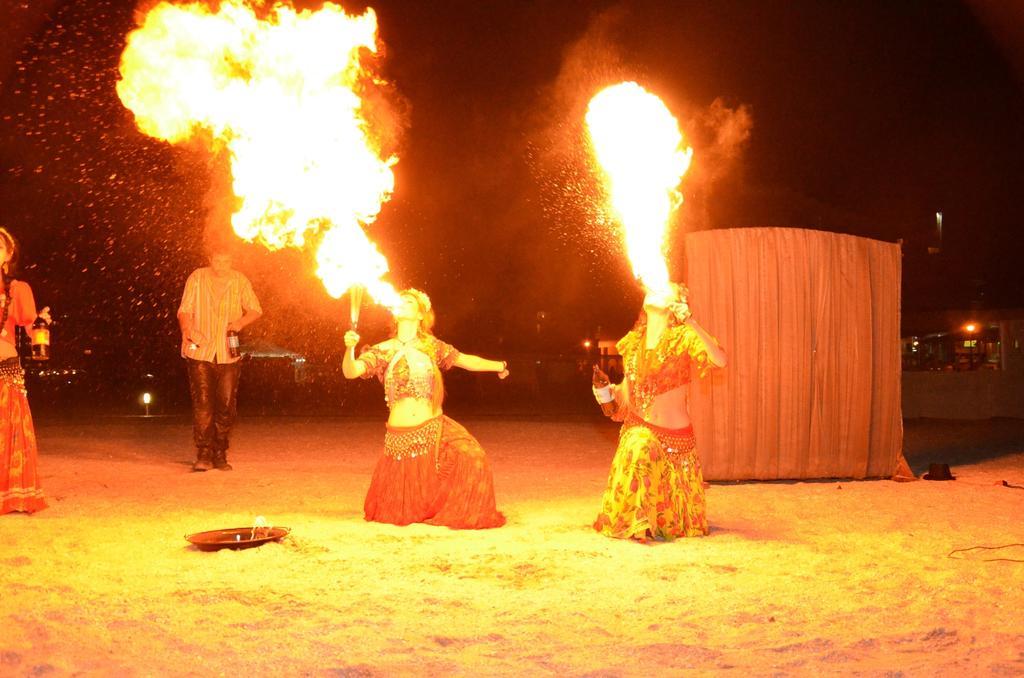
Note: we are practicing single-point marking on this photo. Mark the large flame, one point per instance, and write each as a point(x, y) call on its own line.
point(639, 147)
point(279, 93)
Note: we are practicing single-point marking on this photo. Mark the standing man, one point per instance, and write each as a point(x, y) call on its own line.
point(217, 300)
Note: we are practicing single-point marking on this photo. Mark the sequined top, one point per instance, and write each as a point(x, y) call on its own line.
point(651, 372)
point(407, 370)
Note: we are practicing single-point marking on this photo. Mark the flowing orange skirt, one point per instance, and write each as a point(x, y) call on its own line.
point(434, 473)
point(19, 474)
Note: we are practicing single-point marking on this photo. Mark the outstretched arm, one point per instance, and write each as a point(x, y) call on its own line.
point(351, 366)
point(716, 354)
point(475, 363)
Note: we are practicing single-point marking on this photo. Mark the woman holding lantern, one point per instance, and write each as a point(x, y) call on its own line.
point(19, 475)
point(432, 470)
point(655, 487)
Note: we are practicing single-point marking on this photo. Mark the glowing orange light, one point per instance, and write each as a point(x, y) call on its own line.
point(639, 148)
point(586, 343)
point(971, 327)
point(279, 93)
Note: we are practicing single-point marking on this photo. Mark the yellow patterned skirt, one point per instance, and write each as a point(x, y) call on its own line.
point(655, 487)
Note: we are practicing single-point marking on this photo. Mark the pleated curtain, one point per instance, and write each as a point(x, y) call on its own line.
point(810, 321)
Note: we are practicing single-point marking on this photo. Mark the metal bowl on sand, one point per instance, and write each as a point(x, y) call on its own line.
point(236, 537)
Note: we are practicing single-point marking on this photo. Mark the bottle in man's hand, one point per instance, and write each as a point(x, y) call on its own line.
point(233, 344)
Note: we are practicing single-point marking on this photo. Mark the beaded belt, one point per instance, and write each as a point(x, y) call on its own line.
point(11, 373)
point(410, 442)
point(678, 444)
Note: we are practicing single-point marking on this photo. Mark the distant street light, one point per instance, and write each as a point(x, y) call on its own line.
point(147, 400)
point(971, 329)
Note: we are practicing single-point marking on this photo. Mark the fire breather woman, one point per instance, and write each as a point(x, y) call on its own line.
point(655, 486)
point(432, 470)
point(19, 475)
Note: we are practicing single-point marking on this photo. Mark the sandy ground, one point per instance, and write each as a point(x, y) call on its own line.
point(796, 578)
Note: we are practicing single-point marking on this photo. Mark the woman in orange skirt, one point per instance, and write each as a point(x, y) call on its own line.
point(19, 474)
point(432, 470)
point(655, 487)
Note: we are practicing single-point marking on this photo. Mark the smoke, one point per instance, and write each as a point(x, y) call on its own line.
point(1005, 21)
point(590, 63)
point(718, 134)
point(573, 198)
point(219, 203)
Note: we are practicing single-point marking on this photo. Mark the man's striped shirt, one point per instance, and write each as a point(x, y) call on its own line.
point(212, 313)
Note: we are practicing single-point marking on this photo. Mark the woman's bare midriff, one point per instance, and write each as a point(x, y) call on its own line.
point(669, 410)
point(412, 412)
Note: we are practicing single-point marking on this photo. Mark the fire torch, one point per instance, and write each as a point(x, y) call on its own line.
point(355, 302)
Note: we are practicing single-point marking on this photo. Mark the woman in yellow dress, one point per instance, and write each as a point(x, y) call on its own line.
point(655, 487)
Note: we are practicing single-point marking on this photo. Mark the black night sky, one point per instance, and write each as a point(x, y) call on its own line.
point(858, 117)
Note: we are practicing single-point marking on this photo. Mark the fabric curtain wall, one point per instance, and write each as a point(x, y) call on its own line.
point(810, 322)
